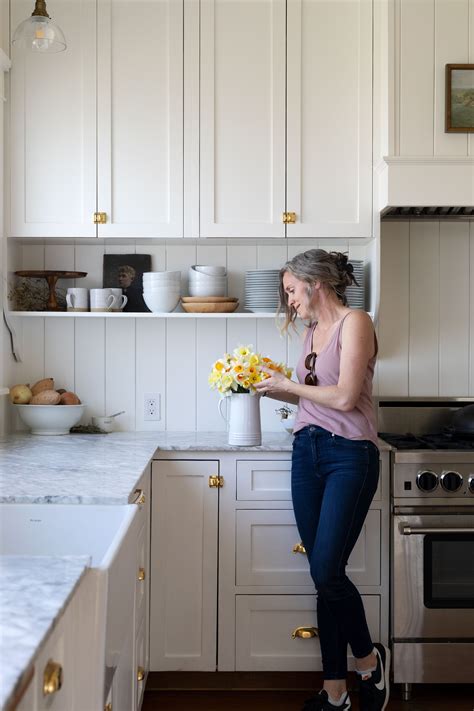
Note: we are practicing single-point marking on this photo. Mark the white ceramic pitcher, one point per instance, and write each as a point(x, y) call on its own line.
point(244, 419)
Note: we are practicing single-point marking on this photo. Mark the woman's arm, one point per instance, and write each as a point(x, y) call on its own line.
point(358, 346)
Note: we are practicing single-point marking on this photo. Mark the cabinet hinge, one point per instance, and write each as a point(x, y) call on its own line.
point(289, 218)
point(216, 482)
point(100, 218)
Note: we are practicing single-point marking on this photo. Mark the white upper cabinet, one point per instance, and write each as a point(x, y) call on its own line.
point(242, 118)
point(140, 118)
point(53, 129)
point(329, 118)
point(286, 118)
point(122, 154)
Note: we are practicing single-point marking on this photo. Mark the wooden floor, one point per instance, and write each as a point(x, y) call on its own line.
point(425, 698)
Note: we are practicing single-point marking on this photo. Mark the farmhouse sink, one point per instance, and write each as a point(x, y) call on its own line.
point(107, 534)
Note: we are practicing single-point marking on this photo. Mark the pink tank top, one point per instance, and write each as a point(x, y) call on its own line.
point(358, 423)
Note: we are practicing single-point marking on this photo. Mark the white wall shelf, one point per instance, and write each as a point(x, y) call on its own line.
point(105, 314)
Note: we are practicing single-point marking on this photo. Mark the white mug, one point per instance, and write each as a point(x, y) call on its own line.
point(102, 299)
point(77, 299)
point(119, 299)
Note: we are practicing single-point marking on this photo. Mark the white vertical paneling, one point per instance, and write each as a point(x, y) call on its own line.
point(150, 369)
point(180, 258)
point(59, 352)
point(416, 77)
point(241, 333)
point(470, 60)
point(454, 309)
point(90, 259)
point(424, 308)
point(240, 259)
point(89, 361)
point(394, 310)
point(60, 257)
point(272, 345)
point(451, 45)
point(32, 256)
point(181, 375)
point(295, 344)
point(32, 352)
point(210, 345)
point(271, 257)
point(471, 309)
point(120, 371)
point(157, 253)
point(294, 248)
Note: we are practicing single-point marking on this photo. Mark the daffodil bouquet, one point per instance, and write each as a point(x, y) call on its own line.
point(239, 371)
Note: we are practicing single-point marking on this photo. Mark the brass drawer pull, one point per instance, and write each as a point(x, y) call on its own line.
point(52, 678)
point(139, 496)
point(108, 707)
point(141, 574)
point(299, 548)
point(305, 632)
point(140, 673)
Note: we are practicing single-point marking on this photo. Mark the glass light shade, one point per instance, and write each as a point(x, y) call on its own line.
point(39, 34)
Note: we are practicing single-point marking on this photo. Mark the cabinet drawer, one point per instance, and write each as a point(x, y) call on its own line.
point(142, 575)
point(141, 662)
point(264, 626)
point(266, 480)
point(265, 541)
point(57, 650)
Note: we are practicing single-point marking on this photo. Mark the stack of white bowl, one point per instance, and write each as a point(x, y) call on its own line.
point(207, 280)
point(262, 290)
point(161, 290)
point(356, 294)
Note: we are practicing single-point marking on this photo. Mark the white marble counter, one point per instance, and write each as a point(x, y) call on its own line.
point(34, 592)
point(100, 469)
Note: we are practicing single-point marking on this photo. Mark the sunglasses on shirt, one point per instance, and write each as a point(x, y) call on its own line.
point(309, 364)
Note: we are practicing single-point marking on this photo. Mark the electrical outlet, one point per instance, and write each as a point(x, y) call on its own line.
point(152, 407)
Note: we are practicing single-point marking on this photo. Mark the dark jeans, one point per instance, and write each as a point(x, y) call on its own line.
point(333, 481)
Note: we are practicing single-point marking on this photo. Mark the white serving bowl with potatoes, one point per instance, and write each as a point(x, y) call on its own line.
point(49, 419)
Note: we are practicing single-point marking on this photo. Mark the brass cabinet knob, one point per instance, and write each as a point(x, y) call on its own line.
point(140, 673)
point(52, 678)
point(299, 548)
point(305, 632)
point(139, 496)
point(141, 573)
point(108, 707)
point(216, 482)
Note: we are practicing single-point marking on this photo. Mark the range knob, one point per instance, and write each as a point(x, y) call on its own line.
point(426, 480)
point(471, 483)
point(451, 481)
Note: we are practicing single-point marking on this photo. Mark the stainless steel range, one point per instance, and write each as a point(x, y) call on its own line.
point(432, 617)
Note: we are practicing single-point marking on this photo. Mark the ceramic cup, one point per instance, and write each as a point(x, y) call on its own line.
point(102, 299)
point(119, 299)
point(77, 299)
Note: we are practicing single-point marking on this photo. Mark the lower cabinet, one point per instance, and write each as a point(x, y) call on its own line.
point(227, 566)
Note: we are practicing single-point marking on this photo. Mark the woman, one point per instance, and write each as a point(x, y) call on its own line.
point(335, 463)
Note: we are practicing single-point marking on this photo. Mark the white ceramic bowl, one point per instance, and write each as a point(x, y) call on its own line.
point(161, 275)
point(195, 290)
point(161, 303)
point(162, 288)
point(208, 269)
point(50, 419)
point(162, 280)
point(206, 278)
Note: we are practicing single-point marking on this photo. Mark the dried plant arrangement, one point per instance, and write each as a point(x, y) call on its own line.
point(29, 294)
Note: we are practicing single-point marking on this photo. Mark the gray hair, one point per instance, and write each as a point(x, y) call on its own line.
point(330, 268)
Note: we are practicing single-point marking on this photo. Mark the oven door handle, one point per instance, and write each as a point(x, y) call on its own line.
point(420, 530)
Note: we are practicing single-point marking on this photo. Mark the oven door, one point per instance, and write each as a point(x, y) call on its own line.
point(433, 576)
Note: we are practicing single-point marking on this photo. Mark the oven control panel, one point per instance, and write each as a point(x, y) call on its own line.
point(435, 480)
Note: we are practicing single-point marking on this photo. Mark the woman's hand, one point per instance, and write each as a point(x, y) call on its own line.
point(275, 384)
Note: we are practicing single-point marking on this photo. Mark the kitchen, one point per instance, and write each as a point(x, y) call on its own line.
point(206, 207)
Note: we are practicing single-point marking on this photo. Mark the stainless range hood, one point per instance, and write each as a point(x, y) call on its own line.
point(428, 213)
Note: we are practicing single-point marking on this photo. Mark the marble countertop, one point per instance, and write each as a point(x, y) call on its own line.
point(100, 469)
point(33, 595)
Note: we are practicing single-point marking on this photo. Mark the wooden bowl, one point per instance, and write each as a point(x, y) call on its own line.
point(207, 307)
point(207, 299)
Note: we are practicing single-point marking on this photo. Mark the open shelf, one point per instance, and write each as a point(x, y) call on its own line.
point(106, 314)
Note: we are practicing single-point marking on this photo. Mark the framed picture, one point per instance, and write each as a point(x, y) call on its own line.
point(459, 98)
point(125, 271)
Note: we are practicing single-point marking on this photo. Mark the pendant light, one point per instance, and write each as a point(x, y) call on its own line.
point(39, 33)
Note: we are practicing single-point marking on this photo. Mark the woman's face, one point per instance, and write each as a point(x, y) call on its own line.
point(297, 295)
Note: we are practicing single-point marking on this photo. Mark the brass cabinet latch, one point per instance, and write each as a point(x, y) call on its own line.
point(216, 482)
point(100, 218)
point(299, 548)
point(289, 218)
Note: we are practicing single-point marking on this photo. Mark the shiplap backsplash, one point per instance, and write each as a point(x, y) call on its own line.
point(426, 317)
point(112, 363)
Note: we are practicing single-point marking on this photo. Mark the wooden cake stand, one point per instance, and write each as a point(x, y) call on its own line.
point(51, 277)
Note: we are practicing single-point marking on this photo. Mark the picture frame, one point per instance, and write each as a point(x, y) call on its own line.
point(459, 98)
point(125, 271)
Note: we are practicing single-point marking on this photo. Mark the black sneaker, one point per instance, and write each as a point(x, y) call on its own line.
point(375, 691)
point(322, 703)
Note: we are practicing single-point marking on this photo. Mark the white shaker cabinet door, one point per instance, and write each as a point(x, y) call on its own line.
point(329, 118)
point(183, 604)
point(140, 118)
point(53, 128)
point(242, 118)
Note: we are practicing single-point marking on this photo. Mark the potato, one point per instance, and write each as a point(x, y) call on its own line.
point(61, 390)
point(46, 397)
point(69, 398)
point(45, 384)
point(20, 394)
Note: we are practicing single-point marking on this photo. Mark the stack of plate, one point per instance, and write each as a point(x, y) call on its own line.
point(356, 294)
point(261, 290)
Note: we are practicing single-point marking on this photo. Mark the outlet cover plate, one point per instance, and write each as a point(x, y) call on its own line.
point(152, 407)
